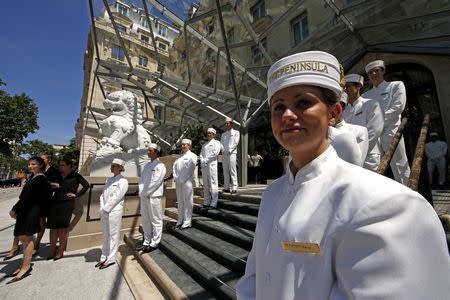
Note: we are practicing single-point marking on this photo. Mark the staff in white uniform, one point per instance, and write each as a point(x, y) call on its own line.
point(111, 211)
point(392, 98)
point(229, 140)
point(367, 113)
point(208, 159)
point(322, 231)
point(183, 175)
point(345, 145)
point(436, 151)
point(359, 132)
point(150, 192)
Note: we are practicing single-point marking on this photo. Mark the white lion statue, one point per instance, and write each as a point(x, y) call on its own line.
point(122, 129)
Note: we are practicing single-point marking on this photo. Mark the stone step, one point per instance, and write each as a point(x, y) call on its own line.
point(213, 276)
point(225, 253)
point(238, 206)
point(170, 278)
point(229, 216)
point(229, 232)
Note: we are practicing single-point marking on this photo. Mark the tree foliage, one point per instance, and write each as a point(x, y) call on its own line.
point(18, 118)
point(34, 148)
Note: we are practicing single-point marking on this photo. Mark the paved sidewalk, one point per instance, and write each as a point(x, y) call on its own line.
point(72, 277)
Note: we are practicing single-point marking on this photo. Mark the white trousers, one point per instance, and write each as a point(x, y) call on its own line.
point(185, 199)
point(210, 185)
point(440, 165)
point(111, 224)
point(399, 163)
point(372, 161)
point(229, 170)
point(152, 220)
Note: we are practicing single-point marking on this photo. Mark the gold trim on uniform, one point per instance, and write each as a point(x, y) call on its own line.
point(301, 247)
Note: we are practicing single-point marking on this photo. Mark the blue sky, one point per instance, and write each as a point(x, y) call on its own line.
point(42, 44)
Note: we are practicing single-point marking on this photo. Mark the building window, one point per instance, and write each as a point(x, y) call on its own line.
point(210, 55)
point(210, 27)
point(145, 38)
point(158, 112)
point(121, 28)
point(144, 22)
point(257, 55)
point(230, 36)
point(183, 56)
point(122, 9)
point(162, 30)
point(118, 53)
point(258, 10)
point(162, 46)
point(143, 61)
point(299, 29)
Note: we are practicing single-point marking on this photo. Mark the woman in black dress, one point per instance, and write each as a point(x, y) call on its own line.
point(27, 212)
point(53, 176)
point(61, 206)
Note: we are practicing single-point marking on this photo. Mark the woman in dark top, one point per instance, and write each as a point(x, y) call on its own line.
point(27, 212)
point(61, 206)
point(53, 176)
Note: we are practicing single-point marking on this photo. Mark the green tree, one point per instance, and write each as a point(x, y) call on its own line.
point(34, 148)
point(18, 118)
point(71, 151)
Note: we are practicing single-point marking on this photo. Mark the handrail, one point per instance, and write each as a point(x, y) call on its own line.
point(385, 161)
point(413, 182)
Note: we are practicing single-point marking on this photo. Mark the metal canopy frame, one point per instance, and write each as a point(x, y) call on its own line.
point(210, 105)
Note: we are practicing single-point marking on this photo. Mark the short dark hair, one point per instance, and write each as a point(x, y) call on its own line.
point(68, 161)
point(49, 155)
point(40, 162)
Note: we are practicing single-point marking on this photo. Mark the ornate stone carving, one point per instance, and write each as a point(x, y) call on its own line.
point(122, 129)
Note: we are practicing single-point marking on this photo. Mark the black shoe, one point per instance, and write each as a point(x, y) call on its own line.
point(106, 265)
point(225, 191)
point(8, 257)
point(139, 246)
point(99, 264)
point(233, 192)
point(148, 249)
point(15, 279)
point(178, 226)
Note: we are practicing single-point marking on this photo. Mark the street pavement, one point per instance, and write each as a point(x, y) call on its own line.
point(72, 277)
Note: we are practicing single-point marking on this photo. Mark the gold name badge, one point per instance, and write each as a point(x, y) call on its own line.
point(301, 247)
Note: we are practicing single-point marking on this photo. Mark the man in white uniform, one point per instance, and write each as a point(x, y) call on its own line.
point(229, 141)
point(367, 113)
point(436, 151)
point(392, 98)
point(208, 159)
point(150, 192)
point(111, 211)
point(323, 232)
point(359, 132)
point(183, 175)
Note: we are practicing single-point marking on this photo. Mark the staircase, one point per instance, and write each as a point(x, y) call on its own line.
point(207, 260)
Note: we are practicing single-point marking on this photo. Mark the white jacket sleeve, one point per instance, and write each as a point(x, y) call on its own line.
point(116, 195)
point(397, 104)
point(188, 168)
point(392, 252)
point(234, 141)
point(174, 170)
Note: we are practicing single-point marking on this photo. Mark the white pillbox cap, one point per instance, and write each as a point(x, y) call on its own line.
point(211, 130)
point(354, 78)
point(344, 98)
point(374, 64)
point(316, 68)
point(186, 141)
point(154, 146)
point(228, 119)
point(118, 161)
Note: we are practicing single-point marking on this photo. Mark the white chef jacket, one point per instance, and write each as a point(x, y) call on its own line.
point(152, 179)
point(230, 140)
point(346, 146)
point(367, 113)
point(184, 166)
point(387, 244)
point(360, 133)
point(208, 159)
point(113, 194)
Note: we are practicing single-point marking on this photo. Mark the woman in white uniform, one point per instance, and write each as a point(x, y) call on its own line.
point(328, 229)
point(111, 211)
point(183, 175)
